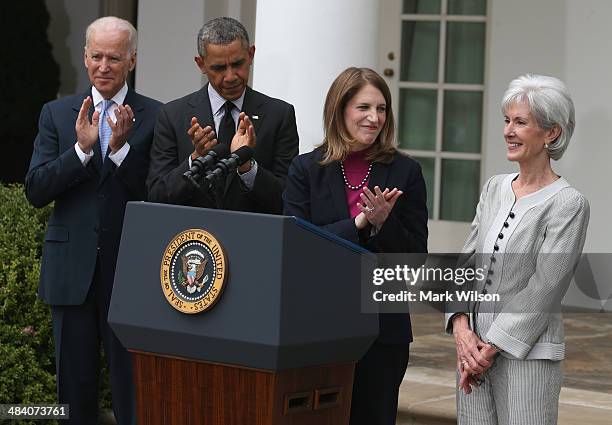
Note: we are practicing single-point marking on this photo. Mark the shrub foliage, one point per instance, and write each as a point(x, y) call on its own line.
point(27, 358)
point(27, 365)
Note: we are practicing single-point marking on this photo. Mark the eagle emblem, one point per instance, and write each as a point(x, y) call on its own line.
point(194, 264)
point(193, 271)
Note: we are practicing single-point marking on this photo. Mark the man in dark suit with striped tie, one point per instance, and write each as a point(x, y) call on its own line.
point(91, 156)
point(226, 111)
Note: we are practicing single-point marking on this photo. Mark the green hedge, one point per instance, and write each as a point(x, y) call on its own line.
point(27, 361)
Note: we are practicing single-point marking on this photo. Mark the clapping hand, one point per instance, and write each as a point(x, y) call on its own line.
point(203, 139)
point(121, 128)
point(376, 206)
point(245, 136)
point(245, 133)
point(87, 132)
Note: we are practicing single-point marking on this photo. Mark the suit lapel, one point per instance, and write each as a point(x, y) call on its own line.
point(379, 176)
point(252, 107)
point(137, 107)
point(200, 108)
point(333, 176)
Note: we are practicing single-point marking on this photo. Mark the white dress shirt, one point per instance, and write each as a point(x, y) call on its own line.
point(116, 157)
point(216, 105)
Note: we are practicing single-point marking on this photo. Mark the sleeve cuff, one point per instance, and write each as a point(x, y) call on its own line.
point(507, 343)
point(119, 156)
point(83, 157)
point(248, 178)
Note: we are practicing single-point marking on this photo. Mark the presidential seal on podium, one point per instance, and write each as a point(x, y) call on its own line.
point(193, 271)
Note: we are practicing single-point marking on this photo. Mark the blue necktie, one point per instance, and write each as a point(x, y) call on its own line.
point(103, 128)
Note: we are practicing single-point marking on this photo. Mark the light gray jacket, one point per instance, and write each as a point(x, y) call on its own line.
point(542, 236)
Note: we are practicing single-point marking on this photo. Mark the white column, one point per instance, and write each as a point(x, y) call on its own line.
point(301, 46)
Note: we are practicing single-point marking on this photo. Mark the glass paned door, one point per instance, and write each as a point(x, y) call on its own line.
point(438, 95)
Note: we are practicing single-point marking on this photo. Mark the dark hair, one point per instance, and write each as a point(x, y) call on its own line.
point(222, 30)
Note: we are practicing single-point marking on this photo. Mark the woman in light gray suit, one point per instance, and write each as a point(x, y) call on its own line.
point(528, 232)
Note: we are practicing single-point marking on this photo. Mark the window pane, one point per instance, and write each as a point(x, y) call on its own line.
point(467, 7)
point(422, 6)
point(417, 119)
point(462, 121)
point(427, 165)
point(465, 52)
point(460, 186)
point(420, 51)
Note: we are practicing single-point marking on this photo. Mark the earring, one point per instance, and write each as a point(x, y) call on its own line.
point(545, 145)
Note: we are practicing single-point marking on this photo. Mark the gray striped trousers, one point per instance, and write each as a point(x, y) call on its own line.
point(514, 392)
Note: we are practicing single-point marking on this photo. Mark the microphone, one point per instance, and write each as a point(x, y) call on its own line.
point(227, 165)
point(204, 163)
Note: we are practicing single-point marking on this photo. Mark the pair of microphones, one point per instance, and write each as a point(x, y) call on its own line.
point(216, 164)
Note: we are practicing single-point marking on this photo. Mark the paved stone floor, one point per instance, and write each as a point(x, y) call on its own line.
point(428, 392)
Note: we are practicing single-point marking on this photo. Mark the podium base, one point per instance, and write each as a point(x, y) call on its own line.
point(183, 391)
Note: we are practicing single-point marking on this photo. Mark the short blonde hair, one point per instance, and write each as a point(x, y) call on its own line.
point(338, 141)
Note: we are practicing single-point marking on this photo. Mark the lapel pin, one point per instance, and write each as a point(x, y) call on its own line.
point(255, 117)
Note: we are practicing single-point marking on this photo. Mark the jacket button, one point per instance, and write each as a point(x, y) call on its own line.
point(490, 271)
point(506, 224)
point(496, 247)
point(488, 281)
point(493, 259)
point(500, 236)
point(511, 215)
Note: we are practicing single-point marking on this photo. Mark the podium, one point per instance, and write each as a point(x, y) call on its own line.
point(279, 343)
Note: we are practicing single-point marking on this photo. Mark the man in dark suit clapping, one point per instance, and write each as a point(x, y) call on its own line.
point(91, 156)
point(226, 111)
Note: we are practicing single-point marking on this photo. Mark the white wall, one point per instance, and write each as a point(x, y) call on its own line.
point(588, 73)
point(565, 39)
point(569, 40)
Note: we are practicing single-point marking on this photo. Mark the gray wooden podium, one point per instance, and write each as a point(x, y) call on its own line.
point(279, 345)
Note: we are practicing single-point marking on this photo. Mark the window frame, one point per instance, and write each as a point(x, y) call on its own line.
point(438, 155)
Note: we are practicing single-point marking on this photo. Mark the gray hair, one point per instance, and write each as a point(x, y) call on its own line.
point(110, 23)
point(550, 104)
point(222, 30)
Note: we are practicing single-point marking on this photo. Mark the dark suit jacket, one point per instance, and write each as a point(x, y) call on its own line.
point(89, 201)
point(277, 144)
point(316, 193)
